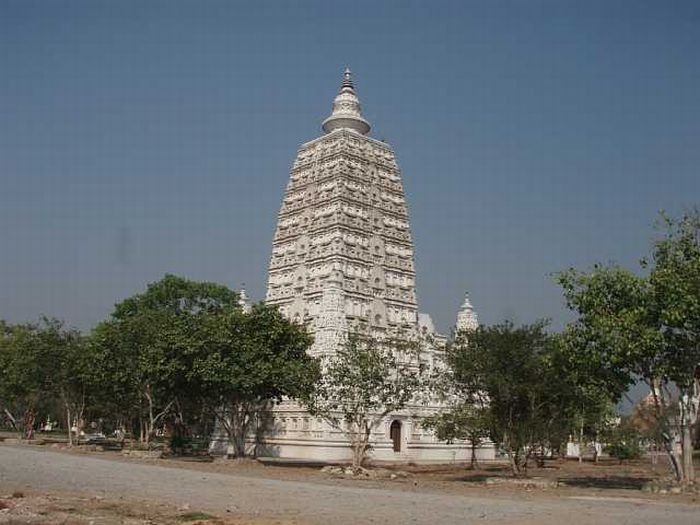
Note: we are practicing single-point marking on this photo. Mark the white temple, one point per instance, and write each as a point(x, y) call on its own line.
point(342, 260)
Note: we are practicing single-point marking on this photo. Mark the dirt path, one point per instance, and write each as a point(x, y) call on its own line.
point(312, 503)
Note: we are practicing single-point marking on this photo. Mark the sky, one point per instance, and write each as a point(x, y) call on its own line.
point(144, 138)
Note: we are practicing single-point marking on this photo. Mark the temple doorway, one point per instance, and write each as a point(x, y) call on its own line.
point(395, 434)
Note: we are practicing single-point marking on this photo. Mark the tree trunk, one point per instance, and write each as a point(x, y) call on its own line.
point(359, 442)
point(28, 425)
point(142, 429)
point(12, 419)
point(667, 437)
point(580, 444)
point(513, 457)
point(153, 418)
point(514, 464)
point(69, 426)
point(235, 417)
point(472, 463)
point(688, 417)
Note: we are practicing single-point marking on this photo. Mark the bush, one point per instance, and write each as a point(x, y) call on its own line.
point(624, 442)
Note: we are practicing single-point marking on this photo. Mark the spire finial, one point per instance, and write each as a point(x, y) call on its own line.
point(347, 79)
point(346, 109)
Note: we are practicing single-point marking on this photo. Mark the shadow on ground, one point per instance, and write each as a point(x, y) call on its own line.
point(609, 482)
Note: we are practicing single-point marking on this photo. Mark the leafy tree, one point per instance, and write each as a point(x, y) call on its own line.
point(651, 424)
point(647, 328)
point(39, 364)
point(582, 403)
point(521, 382)
point(71, 378)
point(675, 281)
point(466, 421)
point(244, 362)
point(23, 377)
point(624, 441)
point(144, 351)
point(365, 381)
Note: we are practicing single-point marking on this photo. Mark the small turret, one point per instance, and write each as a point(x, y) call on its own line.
point(466, 317)
point(243, 300)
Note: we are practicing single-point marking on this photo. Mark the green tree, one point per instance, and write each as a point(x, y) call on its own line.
point(39, 364)
point(466, 421)
point(23, 377)
point(71, 377)
point(523, 384)
point(675, 281)
point(647, 328)
point(246, 361)
point(143, 353)
point(624, 441)
point(362, 383)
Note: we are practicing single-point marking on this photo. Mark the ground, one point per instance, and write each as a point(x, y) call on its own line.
point(75, 487)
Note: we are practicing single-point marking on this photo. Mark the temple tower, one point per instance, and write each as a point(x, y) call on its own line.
point(342, 261)
point(342, 254)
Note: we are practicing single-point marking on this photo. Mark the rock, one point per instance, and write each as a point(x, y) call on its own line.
point(333, 470)
point(676, 490)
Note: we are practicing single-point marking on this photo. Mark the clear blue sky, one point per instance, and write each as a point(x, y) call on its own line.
point(139, 138)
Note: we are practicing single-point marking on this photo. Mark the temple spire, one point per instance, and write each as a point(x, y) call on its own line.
point(346, 109)
point(467, 318)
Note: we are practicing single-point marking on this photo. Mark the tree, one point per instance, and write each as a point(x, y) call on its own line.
point(464, 421)
point(40, 363)
point(362, 383)
point(647, 328)
point(675, 281)
point(520, 382)
point(26, 365)
point(246, 361)
point(71, 376)
point(144, 351)
point(624, 441)
point(23, 377)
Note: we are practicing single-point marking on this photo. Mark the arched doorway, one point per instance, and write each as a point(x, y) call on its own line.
point(395, 435)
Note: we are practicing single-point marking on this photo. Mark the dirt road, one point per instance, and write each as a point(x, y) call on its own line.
point(314, 503)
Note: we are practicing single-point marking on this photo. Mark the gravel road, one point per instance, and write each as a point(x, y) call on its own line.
point(315, 503)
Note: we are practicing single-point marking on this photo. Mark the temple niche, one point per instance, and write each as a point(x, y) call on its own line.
point(342, 260)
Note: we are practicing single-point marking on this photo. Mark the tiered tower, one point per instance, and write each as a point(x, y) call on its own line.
point(342, 255)
point(342, 261)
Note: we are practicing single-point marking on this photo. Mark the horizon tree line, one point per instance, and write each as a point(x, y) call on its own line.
point(184, 356)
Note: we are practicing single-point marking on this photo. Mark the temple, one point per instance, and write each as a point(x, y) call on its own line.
point(342, 261)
